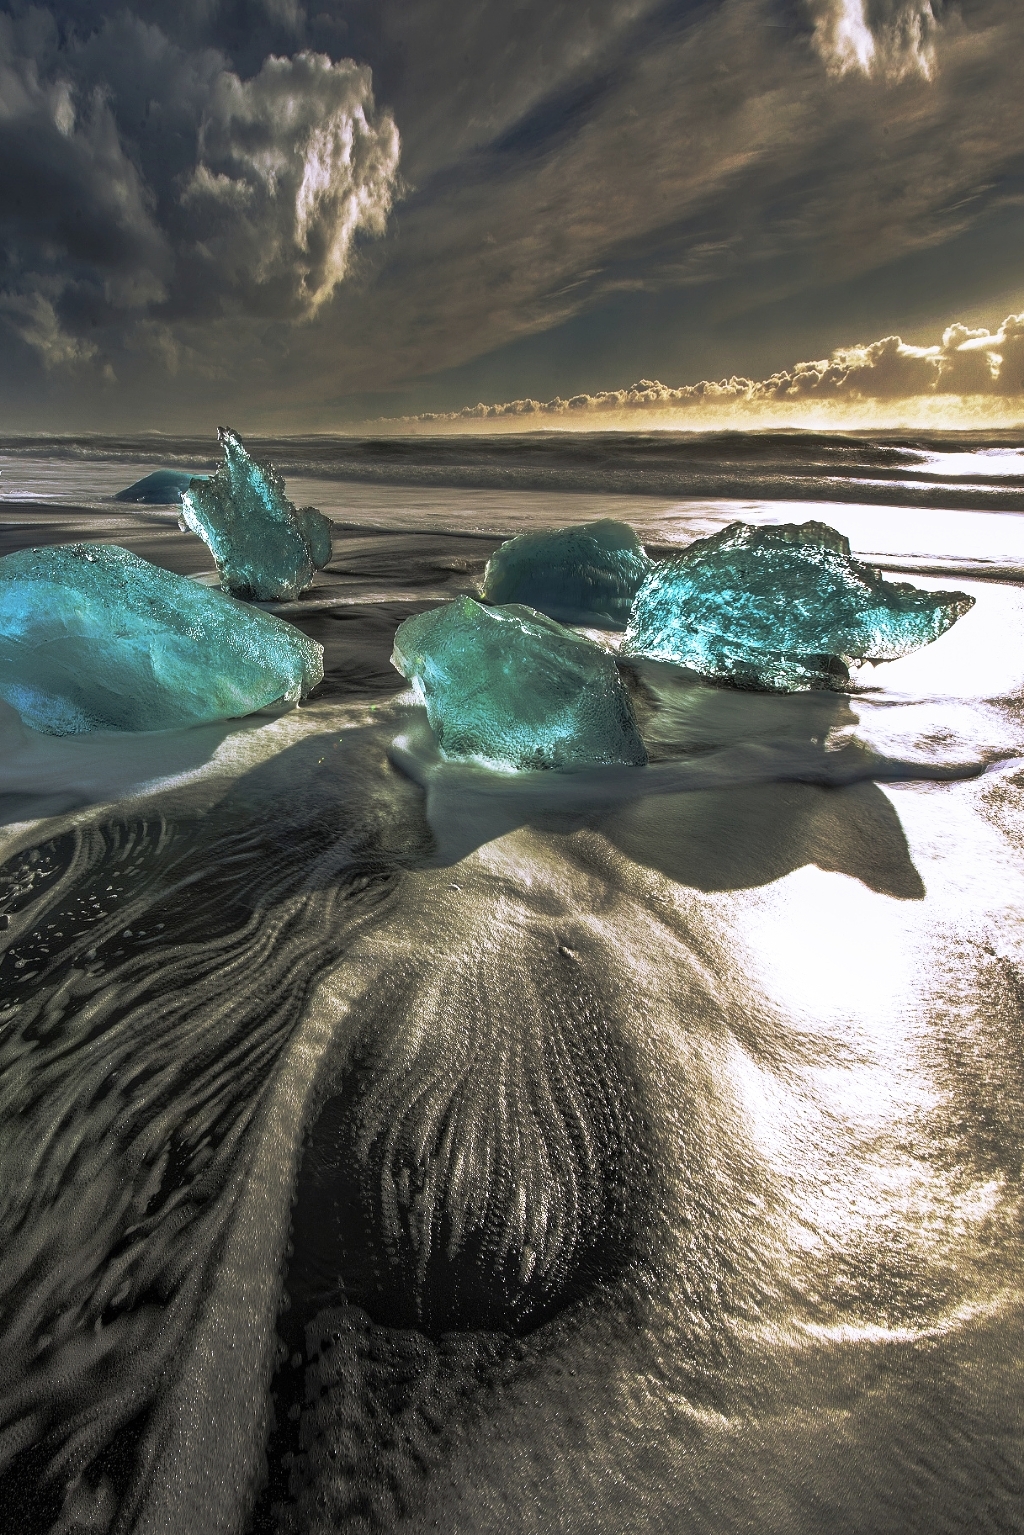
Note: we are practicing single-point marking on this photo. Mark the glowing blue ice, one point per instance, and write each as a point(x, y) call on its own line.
point(94, 638)
point(511, 688)
point(781, 608)
point(588, 574)
point(264, 546)
point(164, 487)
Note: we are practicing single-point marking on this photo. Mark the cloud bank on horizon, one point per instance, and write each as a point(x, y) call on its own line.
point(976, 364)
point(307, 214)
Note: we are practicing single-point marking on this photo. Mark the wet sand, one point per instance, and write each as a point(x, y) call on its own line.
point(390, 1144)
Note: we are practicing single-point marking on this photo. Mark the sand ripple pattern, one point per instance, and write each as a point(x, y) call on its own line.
point(154, 973)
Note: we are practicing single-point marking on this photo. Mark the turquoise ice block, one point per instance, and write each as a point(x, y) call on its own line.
point(94, 638)
point(781, 608)
point(265, 547)
point(587, 574)
point(511, 688)
point(161, 488)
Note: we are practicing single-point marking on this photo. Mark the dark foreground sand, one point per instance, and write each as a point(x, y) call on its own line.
point(641, 1152)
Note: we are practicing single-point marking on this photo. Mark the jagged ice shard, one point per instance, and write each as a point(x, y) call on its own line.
point(265, 547)
point(510, 688)
point(781, 608)
point(94, 638)
point(588, 574)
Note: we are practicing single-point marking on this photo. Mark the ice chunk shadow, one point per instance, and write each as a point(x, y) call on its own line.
point(733, 815)
point(44, 775)
point(322, 800)
point(744, 837)
point(751, 835)
point(680, 712)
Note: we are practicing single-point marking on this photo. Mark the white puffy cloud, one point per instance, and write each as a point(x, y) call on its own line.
point(965, 362)
point(891, 37)
point(292, 165)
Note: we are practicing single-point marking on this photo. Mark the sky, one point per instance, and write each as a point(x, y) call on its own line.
point(455, 214)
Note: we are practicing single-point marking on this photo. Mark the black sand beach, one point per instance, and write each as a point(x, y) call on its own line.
point(390, 1144)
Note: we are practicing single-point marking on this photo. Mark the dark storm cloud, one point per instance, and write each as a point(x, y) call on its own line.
point(77, 217)
point(194, 187)
point(290, 166)
point(144, 182)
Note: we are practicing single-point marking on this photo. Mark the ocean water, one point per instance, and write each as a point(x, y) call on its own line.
point(392, 1145)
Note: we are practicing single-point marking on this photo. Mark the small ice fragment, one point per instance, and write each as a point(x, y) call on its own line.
point(265, 548)
point(508, 687)
point(781, 608)
point(588, 574)
point(163, 487)
point(94, 638)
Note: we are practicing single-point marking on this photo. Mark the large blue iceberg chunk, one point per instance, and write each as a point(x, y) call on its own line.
point(781, 608)
point(164, 487)
point(265, 548)
point(511, 688)
point(94, 638)
point(588, 574)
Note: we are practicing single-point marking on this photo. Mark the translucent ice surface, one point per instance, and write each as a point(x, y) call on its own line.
point(781, 607)
point(316, 530)
point(588, 574)
point(164, 487)
point(94, 638)
point(265, 548)
point(511, 688)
